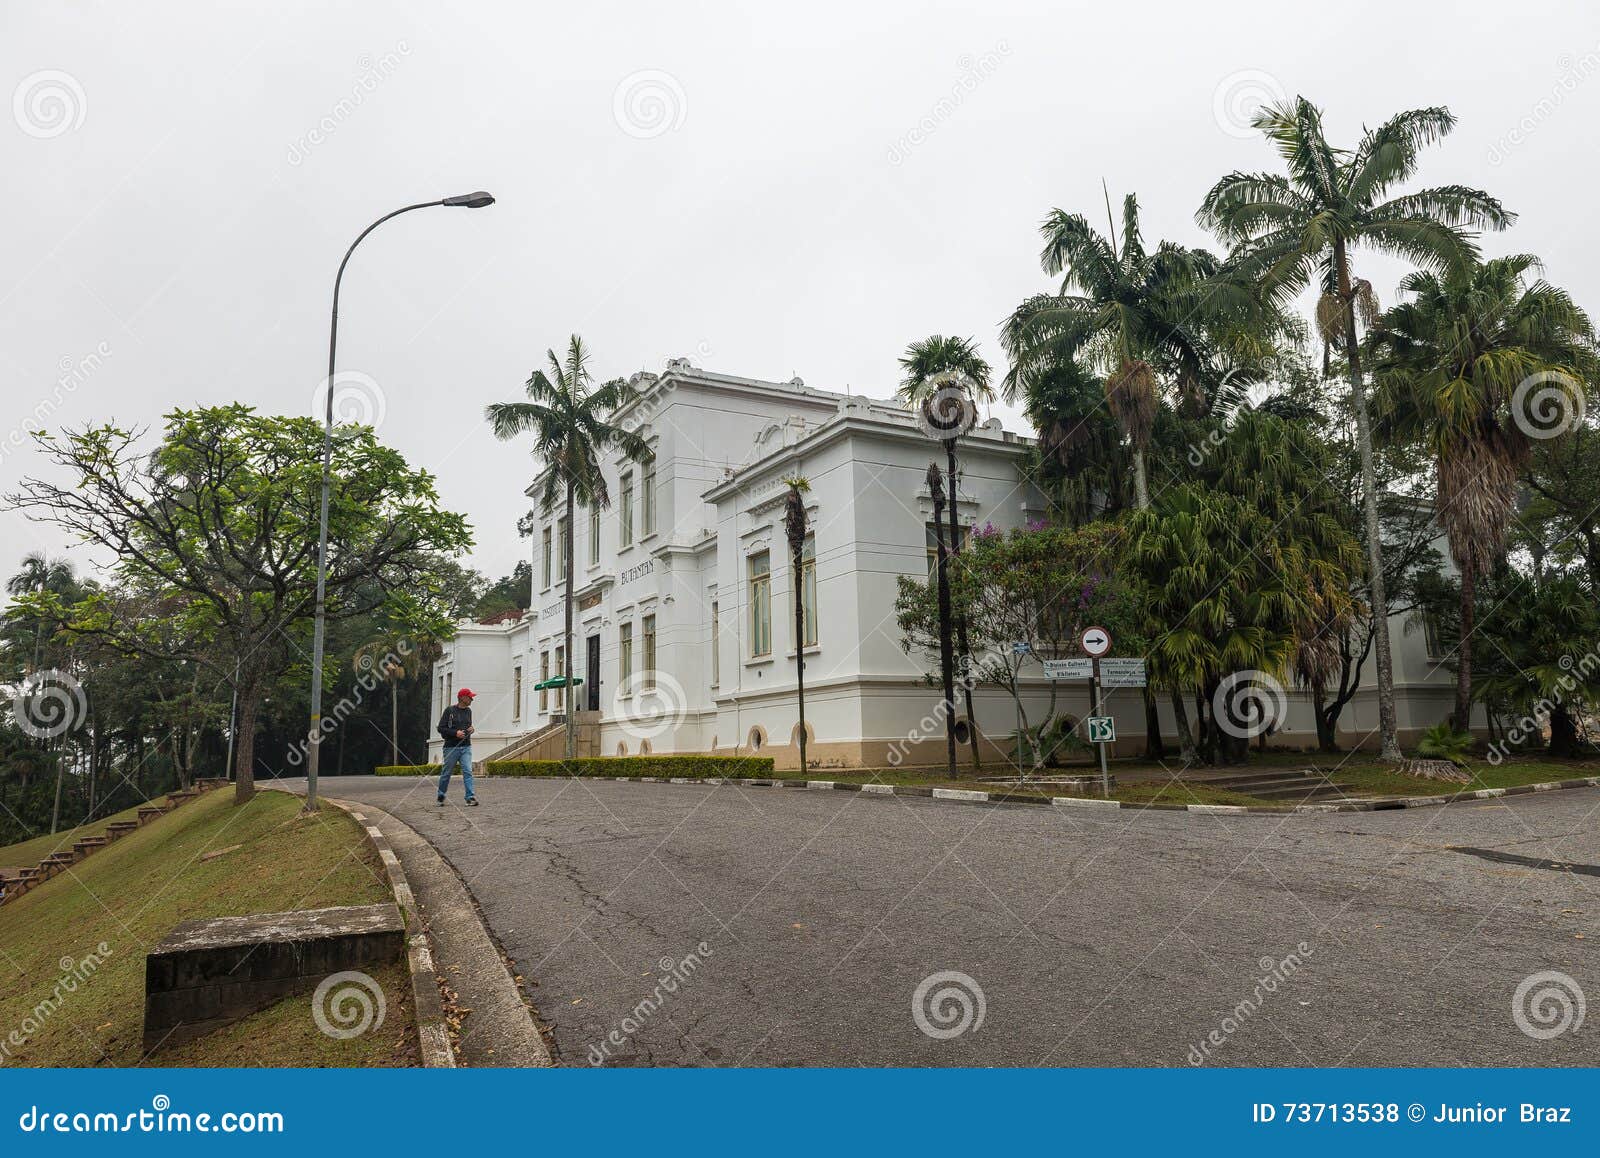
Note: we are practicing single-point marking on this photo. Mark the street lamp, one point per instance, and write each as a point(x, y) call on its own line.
point(476, 200)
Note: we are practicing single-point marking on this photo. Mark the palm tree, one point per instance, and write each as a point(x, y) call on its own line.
point(1448, 366)
point(568, 416)
point(397, 656)
point(1136, 314)
point(1291, 230)
point(930, 365)
point(37, 575)
point(926, 360)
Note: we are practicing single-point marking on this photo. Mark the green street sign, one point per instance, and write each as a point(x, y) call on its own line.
point(1102, 730)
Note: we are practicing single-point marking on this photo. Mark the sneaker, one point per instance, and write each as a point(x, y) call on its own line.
point(441, 802)
point(473, 802)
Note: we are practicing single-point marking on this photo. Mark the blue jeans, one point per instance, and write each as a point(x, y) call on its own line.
point(452, 757)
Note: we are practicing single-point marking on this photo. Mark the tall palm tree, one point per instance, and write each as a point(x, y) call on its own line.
point(1128, 313)
point(925, 360)
point(568, 416)
point(393, 657)
point(928, 365)
point(1448, 365)
point(37, 575)
point(1297, 230)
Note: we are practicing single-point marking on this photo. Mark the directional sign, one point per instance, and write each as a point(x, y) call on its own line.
point(1102, 729)
point(1095, 641)
point(1068, 669)
point(1020, 648)
point(1122, 673)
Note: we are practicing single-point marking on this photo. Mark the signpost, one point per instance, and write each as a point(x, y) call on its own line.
point(1068, 669)
point(1122, 673)
point(1096, 642)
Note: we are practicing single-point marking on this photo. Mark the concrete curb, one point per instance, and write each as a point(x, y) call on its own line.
point(433, 1036)
point(963, 796)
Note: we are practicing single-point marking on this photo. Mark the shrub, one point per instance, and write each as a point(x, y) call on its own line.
point(1441, 742)
point(406, 770)
point(696, 767)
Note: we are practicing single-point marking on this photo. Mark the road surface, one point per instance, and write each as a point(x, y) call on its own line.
point(696, 925)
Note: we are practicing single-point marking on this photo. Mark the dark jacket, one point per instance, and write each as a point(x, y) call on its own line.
point(456, 719)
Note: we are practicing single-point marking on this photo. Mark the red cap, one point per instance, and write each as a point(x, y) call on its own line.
point(467, 694)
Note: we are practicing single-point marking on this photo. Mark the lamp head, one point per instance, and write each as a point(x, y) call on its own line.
point(471, 200)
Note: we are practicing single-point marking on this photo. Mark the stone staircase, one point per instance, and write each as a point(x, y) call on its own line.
point(550, 741)
point(1290, 786)
point(15, 882)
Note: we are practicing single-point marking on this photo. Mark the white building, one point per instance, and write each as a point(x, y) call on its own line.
point(683, 627)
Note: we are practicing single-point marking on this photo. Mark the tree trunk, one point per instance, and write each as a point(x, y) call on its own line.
point(1462, 720)
point(1155, 747)
point(61, 771)
point(394, 719)
point(799, 645)
point(961, 620)
point(946, 650)
point(1326, 721)
point(1563, 732)
point(1388, 730)
point(1187, 751)
point(1141, 483)
point(569, 701)
point(244, 752)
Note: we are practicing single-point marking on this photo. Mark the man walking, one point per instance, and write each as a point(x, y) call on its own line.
point(456, 728)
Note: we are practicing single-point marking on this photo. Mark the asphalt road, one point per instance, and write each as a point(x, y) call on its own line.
point(1127, 938)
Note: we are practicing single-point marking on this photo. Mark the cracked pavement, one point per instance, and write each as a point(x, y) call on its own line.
point(1119, 938)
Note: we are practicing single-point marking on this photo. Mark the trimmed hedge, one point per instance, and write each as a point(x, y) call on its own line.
point(689, 766)
point(693, 767)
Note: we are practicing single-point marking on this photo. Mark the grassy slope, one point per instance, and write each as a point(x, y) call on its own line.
point(31, 852)
point(130, 894)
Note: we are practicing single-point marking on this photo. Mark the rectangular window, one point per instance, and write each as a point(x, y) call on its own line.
point(544, 566)
point(808, 591)
point(625, 658)
point(449, 688)
point(933, 543)
point(649, 628)
point(443, 703)
point(647, 496)
point(625, 514)
point(561, 670)
point(716, 647)
point(516, 693)
point(544, 674)
point(563, 543)
point(761, 604)
point(594, 534)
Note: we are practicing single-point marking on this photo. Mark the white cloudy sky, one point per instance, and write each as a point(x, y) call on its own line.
point(171, 209)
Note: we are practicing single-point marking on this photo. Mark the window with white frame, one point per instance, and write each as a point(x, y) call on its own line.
point(648, 631)
point(544, 674)
point(544, 555)
point(808, 592)
point(594, 533)
point(516, 693)
point(625, 511)
point(624, 656)
point(647, 497)
point(761, 604)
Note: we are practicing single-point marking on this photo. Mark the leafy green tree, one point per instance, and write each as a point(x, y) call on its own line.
point(213, 537)
point(1299, 230)
point(568, 416)
point(1449, 365)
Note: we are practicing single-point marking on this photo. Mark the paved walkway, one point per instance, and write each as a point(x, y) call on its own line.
point(1115, 939)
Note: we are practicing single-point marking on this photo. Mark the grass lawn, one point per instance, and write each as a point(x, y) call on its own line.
point(31, 852)
point(130, 895)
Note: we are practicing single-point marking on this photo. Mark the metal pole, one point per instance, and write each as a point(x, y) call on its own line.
point(1099, 706)
point(319, 630)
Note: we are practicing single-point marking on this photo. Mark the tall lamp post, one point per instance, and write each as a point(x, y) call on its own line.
point(476, 200)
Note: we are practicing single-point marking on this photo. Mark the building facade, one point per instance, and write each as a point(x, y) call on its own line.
point(683, 623)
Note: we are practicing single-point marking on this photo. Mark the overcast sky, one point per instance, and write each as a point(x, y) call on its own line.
point(768, 190)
